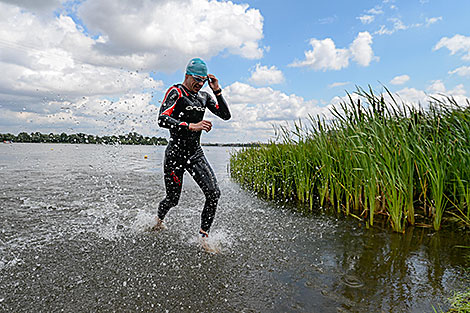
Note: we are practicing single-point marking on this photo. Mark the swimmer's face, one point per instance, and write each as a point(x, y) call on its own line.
point(198, 82)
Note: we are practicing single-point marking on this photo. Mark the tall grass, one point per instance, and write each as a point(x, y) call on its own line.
point(375, 157)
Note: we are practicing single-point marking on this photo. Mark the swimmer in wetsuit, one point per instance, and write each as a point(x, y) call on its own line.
point(182, 111)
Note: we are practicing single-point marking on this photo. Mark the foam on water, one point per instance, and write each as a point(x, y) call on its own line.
point(7, 263)
point(219, 240)
point(142, 221)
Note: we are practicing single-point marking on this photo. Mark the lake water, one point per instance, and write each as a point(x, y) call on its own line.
point(73, 238)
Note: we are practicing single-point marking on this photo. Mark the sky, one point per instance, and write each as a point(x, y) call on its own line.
point(102, 67)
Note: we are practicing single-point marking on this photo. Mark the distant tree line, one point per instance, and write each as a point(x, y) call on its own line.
point(132, 138)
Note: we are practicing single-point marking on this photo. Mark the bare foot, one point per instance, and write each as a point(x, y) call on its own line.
point(207, 245)
point(159, 226)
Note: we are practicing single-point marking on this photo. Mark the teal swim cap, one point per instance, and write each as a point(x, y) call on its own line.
point(196, 66)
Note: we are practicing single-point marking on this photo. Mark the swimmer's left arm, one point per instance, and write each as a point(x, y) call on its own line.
point(219, 108)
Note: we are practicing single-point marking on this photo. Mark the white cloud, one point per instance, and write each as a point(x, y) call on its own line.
point(338, 84)
point(263, 75)
point(93, 115)
point(328, 20)
point(49, 84)
point(411, 96)
point(366, 19)
point(168, 33)
point(325, 55)
point(400, 80)
point(397, 25)
point(256, 110)
point(267, 104)
point(361, 50)
point(461, 71)
point(459, 91)
point(432, 20)
point(456, 44)
point(36, 6)
point(162, 38)
point(49, 56)
point(370, 16)
point(438, 87)
point(376, 11)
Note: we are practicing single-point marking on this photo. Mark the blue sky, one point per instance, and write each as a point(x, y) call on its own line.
point(287, 30)
point(101, 66)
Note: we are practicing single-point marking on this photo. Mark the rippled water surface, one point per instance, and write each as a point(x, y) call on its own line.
point(73, 237)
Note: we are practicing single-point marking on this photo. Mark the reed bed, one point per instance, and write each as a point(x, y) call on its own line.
point(375, 157)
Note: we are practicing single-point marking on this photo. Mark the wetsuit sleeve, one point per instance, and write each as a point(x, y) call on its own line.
point(165, 118)
point(219, 108)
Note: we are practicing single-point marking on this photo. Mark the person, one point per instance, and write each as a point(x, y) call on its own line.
point(182, 112)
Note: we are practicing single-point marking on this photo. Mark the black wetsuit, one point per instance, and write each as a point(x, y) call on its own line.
point(179, 108)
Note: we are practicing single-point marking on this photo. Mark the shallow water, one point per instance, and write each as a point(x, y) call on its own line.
point(74, 237)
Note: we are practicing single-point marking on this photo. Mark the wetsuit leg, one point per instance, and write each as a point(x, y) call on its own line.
point(204, 176)
point(173, 169)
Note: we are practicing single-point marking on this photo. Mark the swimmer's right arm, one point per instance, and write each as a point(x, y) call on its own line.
point(165, 118)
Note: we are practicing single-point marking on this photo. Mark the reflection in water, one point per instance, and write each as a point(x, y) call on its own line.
point(74, 237)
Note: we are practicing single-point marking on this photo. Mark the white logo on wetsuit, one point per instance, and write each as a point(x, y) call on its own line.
point(190, 107)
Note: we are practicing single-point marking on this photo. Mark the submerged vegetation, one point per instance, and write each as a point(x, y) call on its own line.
point(460, 302)
point(377, 157)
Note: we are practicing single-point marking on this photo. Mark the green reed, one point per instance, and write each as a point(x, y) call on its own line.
point(375, 157)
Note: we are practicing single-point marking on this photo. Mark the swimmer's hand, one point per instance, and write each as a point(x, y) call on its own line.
point(213, 82)
point(202, 125)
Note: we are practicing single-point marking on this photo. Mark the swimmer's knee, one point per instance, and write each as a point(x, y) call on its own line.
point(165, 205)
